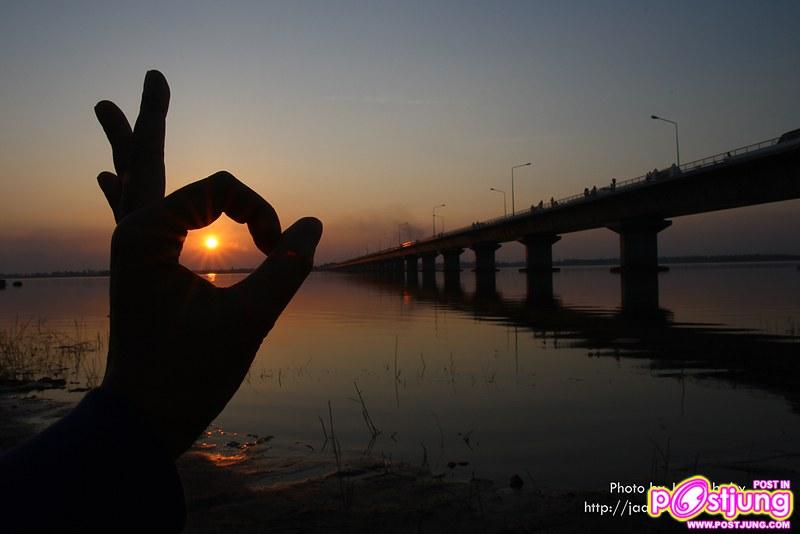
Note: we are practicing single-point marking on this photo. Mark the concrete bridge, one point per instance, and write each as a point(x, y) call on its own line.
point(636, 209)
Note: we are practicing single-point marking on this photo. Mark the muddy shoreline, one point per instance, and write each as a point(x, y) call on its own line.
point(248, 483)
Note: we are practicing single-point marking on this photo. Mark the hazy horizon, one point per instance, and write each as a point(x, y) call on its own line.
point(367, 116)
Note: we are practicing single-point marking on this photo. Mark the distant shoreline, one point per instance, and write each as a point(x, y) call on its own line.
point(569, 262)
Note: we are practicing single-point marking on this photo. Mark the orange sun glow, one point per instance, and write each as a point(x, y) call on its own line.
point(211, 242)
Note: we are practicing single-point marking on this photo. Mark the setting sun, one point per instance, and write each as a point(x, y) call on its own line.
point(211, 242)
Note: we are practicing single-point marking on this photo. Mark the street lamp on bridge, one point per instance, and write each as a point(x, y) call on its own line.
point(512, 183)
point(434, 216)
point(505, 209)
point(677, 145)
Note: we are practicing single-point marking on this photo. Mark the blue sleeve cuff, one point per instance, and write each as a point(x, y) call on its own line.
point(98, 469)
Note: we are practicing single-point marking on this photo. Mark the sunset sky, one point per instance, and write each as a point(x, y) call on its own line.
point(366, 115)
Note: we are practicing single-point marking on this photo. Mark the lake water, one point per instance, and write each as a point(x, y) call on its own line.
point(572, 395)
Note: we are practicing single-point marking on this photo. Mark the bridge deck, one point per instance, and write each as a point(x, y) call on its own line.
point(755, 174)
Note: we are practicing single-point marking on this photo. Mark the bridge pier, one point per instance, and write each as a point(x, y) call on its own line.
point(429, 262)
point(452, 262)
point(539, 266)
point(638, 243)
point(638, 248)
point(539, 252)
point(452, 269)
point(429, 269)
point(411, 268)
point(485, 268)
point(484, 257)
point(387, 269)
point(397, 268)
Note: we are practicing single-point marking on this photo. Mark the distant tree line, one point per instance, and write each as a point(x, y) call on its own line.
point(723, 258)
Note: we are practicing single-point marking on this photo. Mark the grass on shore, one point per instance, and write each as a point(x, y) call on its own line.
point(30, 351)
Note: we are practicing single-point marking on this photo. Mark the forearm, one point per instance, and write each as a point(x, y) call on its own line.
point(99, 468)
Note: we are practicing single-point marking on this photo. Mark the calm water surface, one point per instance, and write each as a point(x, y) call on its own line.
point(573, 395)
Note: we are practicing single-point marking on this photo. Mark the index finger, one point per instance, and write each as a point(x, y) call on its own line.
point(200, 203)
point(119, 133)
point(147, 174)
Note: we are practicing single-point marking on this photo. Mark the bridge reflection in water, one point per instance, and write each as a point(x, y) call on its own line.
point(638, 288)
point(638, 329)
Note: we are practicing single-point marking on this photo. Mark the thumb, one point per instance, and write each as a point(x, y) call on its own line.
point(264, 294)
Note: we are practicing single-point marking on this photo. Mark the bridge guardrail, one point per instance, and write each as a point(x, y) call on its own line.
point(652, 176)
point(660, 174)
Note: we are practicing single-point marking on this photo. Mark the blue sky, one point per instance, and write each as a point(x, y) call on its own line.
point(366, 114)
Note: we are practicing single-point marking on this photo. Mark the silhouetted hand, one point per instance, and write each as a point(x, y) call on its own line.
point(179, 346)
point(138, 153)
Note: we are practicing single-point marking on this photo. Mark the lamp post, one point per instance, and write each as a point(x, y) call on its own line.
point(434, 216)
point(505, 209)
point(513, 211)
point(677, 145)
